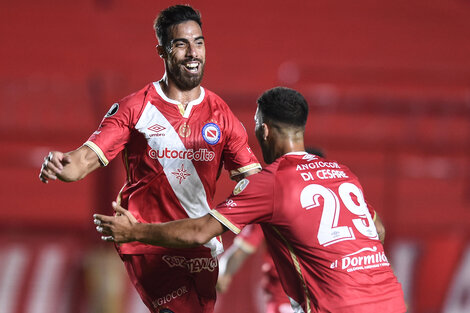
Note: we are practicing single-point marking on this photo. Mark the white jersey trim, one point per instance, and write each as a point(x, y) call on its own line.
point(190, 105)
point(190, 190)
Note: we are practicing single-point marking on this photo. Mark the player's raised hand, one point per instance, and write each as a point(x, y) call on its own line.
point(53, 165)
point(117, 228)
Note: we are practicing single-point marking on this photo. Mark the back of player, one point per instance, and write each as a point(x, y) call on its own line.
point(321, 219)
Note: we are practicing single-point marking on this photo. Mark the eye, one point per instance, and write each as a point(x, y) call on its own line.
point(179, 44)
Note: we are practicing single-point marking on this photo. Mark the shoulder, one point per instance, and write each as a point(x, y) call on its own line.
point(213, 99)
point(137, 97)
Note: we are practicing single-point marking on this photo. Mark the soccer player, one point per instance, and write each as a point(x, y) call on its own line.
point(175, 137)
point(313, 214)
point(248, 242)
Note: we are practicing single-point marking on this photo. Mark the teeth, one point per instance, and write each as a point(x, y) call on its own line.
point(191, 65)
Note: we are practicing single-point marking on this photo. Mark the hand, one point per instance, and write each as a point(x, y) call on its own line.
point(53, 165)
point(117, 228)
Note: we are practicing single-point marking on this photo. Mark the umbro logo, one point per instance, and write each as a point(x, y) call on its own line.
point(156, 128)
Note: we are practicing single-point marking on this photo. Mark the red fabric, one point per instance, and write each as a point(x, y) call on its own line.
point(320, 233)
point(172, 160)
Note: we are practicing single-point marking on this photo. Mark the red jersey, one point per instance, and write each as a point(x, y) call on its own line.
point(172, 155)
point(320, 234)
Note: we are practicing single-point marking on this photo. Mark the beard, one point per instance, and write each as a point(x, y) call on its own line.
point(183, 79)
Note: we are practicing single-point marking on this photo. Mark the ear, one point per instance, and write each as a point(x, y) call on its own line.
point(265, 133)
point(161, 51)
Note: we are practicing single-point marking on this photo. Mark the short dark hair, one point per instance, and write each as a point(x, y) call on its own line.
point(285, 105)
point(174, 15)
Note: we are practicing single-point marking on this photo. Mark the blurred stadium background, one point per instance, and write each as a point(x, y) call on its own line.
point(388, 84)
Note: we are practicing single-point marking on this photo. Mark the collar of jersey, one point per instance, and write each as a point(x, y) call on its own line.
point(183, 112)
point(296, 153)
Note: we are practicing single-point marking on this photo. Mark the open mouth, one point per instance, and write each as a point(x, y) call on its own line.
point(192, 67)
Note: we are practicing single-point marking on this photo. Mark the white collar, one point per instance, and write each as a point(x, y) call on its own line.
point(192, 103)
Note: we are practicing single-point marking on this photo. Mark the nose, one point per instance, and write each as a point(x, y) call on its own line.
point(192, 50)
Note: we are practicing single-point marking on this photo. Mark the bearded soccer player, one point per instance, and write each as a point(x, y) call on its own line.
point(175, 137)
point(313, 214)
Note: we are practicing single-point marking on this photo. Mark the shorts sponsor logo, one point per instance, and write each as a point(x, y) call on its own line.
point(211, 133)
point(199, 155)
point(169, 297)
point(193, 265)
point(113, 110)
point(351, 262)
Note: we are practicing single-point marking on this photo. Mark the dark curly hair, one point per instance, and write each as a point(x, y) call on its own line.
point(171, 16)
point(285, 105)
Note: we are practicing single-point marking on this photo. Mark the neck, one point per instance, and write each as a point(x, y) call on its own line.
point(285, 143)
point(172, 91)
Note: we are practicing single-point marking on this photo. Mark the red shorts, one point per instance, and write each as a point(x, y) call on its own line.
point(178, 283)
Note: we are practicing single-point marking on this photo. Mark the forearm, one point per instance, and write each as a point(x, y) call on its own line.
point(83, 161)
point(178, 234)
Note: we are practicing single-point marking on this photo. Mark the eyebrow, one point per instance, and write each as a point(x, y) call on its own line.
point(186, 40)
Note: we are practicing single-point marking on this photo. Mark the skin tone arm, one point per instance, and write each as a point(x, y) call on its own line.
point(234, 258)
point(380, 228)
point(70, 166)
point(185, 233)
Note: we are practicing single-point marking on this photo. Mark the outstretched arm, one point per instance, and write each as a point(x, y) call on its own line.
point(185, 233)
point(70, 166)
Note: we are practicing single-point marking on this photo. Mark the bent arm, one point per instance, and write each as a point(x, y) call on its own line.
point(180, 234)
point(70, 166)
point(83, 161)
point(185, 233)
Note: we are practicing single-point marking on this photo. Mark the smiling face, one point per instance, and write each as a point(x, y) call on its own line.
point(185, 56)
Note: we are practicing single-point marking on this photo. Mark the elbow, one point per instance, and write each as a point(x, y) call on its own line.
point(200, 238)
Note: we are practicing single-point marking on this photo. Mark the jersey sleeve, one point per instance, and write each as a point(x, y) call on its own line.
point(115, 128)
point(237, 155)
point(251, 202)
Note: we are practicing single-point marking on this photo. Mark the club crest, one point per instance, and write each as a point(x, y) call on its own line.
point(211, 133)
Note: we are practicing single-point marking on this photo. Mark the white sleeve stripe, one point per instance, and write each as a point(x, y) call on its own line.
point(224, 221)
point(98, 152)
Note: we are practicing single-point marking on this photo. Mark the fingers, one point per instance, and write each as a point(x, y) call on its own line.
point(118, 208)
point(103, 220)
point(103, 229)
point(121, 211)
point(51, 166)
